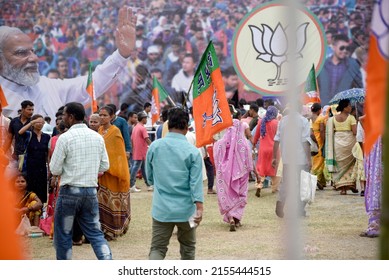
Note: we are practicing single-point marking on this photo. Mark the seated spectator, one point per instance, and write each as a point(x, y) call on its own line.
point(29, 202)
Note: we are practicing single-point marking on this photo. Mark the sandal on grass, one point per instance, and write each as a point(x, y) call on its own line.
point(232, 226)
point(365, 234)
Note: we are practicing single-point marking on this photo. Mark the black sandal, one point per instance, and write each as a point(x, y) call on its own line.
point(232, 226)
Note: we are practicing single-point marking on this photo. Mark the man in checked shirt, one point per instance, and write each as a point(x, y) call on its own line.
point(78, 157)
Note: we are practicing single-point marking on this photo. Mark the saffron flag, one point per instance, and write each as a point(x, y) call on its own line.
point(311, 93)
point(211, 112)
point(90, 89)
point(11, 245)
point(159, 94)
point(3, 100)
point(377, 75)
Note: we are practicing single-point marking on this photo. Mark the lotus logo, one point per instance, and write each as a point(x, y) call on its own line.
point(272, 46)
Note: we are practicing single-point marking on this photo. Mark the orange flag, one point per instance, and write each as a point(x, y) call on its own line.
point(90, 89)
point(10, 244)
point(3, 100)
point(211, 112)
point(376, 79)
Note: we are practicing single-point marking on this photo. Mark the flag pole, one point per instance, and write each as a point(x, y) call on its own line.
point(187, 94)
point(170, 100)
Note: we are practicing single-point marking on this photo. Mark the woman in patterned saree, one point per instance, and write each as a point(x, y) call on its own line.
point(114, 184)
point(373, 188)
point(340, 139)
point(233, 161)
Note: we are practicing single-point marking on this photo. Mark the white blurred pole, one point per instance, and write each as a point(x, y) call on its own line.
point(292, 218)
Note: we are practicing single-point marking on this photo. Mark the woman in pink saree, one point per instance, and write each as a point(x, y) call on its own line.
point(233, 163)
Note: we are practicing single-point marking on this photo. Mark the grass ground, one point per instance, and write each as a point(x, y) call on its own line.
point(330, 232)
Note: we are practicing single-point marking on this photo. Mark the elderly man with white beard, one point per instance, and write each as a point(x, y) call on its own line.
point(20, 79)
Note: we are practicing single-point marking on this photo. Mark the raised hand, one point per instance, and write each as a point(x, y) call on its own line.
point(125, 32)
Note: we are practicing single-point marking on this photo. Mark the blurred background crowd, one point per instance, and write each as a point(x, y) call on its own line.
point(69, 35)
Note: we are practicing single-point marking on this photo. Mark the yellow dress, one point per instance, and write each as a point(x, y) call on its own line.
point(344, 141)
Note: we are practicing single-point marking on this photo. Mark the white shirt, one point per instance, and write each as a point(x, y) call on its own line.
point(48, 129)
point(50, 94)
point(303, 131)
point(79, 156)
point(149, 124)
point(181, 82)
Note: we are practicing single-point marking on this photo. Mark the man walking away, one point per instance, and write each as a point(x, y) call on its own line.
point(178, 194)
point(79, 156)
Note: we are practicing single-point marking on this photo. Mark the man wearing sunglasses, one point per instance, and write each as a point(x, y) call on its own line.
point(340, 71)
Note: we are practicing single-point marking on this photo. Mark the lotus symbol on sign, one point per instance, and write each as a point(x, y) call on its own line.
point(272, 45)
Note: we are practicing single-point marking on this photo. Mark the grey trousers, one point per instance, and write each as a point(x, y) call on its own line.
point(161, 234)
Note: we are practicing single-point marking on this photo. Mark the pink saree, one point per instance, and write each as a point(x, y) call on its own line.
point(233, 163)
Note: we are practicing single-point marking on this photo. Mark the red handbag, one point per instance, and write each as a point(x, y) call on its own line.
point(45, 224)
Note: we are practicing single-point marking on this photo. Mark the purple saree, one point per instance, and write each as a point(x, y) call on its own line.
point(233, 163)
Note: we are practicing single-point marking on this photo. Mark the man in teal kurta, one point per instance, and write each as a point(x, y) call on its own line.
point(174, 167)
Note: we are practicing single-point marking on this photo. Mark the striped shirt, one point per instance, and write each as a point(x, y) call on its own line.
point(79, 156)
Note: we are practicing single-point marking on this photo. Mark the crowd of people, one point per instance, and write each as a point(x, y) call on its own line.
point(111, 148)
point(67, 42)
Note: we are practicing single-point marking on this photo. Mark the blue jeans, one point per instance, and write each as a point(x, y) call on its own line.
point(81, 203)
point(137, 164)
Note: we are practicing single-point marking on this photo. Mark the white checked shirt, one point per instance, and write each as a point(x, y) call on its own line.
point(79, 156)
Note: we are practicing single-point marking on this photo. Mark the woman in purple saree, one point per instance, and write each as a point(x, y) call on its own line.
point(374, 173)
point(233, 163)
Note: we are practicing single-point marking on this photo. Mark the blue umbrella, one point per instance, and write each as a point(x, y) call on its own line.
point(354, 95)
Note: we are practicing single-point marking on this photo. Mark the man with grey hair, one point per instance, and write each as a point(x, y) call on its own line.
point(20, 79)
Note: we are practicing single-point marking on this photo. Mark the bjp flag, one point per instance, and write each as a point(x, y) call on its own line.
point(377, 76)
point(211, 112)
point(159, 94)
point(311, 93)
point(90, 89)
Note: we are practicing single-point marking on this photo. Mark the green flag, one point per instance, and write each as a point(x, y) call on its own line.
point(160, 90)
